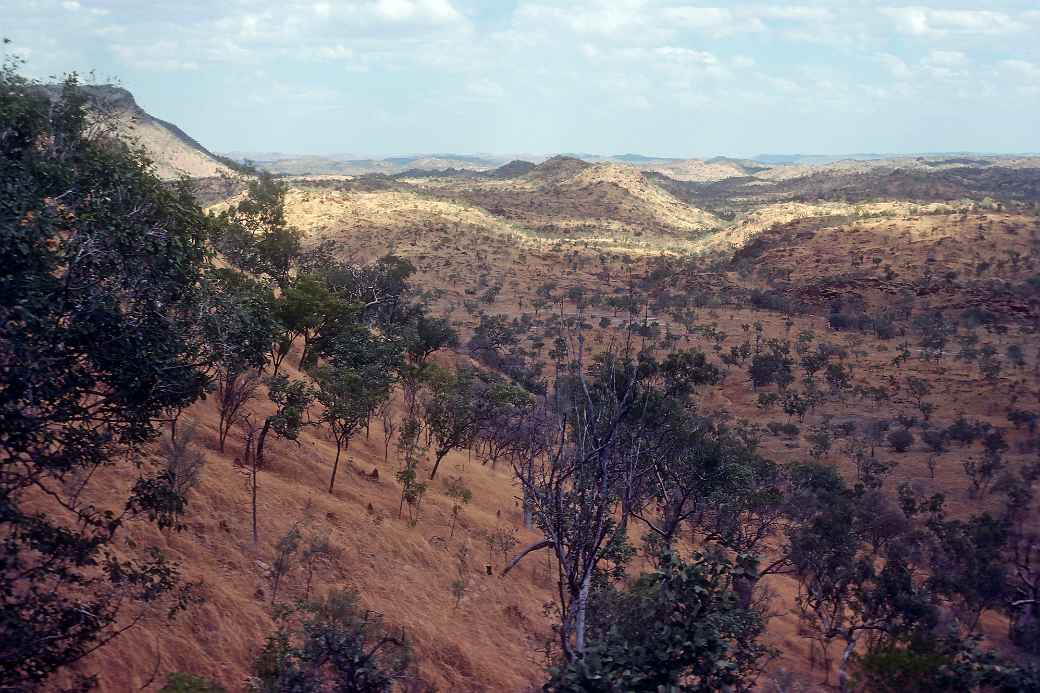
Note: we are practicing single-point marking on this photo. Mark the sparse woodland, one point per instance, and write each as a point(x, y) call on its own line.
point(809, 464)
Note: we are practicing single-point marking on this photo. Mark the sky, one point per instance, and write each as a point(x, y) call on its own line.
point(655, 77)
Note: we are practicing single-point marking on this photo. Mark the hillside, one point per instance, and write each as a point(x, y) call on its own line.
point(174, 152)
point(401, 571)
point(837, 375)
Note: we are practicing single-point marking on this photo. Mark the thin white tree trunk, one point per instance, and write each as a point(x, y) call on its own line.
point(579, 620)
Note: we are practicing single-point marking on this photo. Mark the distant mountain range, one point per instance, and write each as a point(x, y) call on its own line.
point(176, 154)
point(352, 164)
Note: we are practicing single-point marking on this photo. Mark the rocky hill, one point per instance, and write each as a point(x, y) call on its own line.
point(174, 152)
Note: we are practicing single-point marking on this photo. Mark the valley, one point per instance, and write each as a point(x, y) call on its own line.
point(874, 320)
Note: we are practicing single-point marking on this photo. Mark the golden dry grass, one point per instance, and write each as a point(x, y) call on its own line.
point(490, 642)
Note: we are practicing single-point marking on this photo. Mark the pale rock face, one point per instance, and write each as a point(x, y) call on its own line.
point(174, 153)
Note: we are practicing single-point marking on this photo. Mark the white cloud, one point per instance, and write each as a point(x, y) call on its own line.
point(485, 90)
point(895, 65)
point(929, 22)
point(435, 11)
point(1022, 69)
point(782, 84)
point(947, 58)
point(797, 13)
point(644, 21)
point(163, 56)
point(686, 56)
point(718, 21)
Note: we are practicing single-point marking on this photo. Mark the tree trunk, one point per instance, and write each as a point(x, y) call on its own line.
point(274, 587)
point(255, 534)
point(221, 431)
point(335, 465)
point(306, 350)
point(260, 442)
point(437, 463)
point(526, 514)
point(843, 675)
point(173, 423)
point(579, 617)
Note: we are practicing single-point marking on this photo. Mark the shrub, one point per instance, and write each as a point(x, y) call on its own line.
point(901, 439)
point(179, 682)
point(331, 644)
point(783, 429)
point(184, 461)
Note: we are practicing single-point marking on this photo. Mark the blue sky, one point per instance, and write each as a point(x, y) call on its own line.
point(665, 77)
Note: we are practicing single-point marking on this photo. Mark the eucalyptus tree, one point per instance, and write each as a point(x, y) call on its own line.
point(349, 396)
point(453, 411)
point(254, 234)
point(292, 399)
point(101, 267)
point(576, 489)
point(239, 327)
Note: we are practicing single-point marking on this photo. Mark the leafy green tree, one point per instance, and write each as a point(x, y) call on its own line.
point(239, 328)
point(349, 397)
point(901, 439)
point(101, 266)
point(772, 366)
point(934, 330)
point(679, 628)
point(856, 563)
point(254, 235)
point(453, 412)
point(428, 335)
point(293, 398)
point(331, 644)
point(304, 308)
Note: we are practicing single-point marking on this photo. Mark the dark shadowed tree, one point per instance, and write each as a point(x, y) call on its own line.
point(100, 273)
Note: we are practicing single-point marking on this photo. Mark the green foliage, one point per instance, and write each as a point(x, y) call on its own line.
point(293, 398)
point(460, 496)
point(772, 366)
point(679, 628)
point(686, 371)
point(412, 455)
point(179, 682)
point(427, 335)
point(254, 235)
point(238, 323)
point(904, 670)
point(331, 644)
point(349, 396)
point(304, 308)
point(454, 410)
point(934, 332)
point(101, 264)
point(941, 664)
